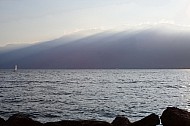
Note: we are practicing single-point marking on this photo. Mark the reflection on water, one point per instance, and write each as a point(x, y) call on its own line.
point(51, 95)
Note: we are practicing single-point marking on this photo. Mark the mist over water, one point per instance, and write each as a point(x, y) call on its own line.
point(52, 95)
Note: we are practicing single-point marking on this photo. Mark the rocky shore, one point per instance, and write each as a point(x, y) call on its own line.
point(171, 116)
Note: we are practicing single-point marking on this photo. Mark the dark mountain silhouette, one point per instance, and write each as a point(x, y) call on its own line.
point(151, 47)
point(11, 47)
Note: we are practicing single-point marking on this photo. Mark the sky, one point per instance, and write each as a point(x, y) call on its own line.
point(29, 21)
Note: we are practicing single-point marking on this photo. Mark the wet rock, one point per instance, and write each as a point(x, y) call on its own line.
point(2, 121)
point(63, 123)
point(173, 116)
point(121, 121)
point(21, 120)
point(78, 123)
point(151, 120)
point(94, 123)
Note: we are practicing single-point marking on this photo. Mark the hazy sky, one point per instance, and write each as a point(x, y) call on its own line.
point(26, 21)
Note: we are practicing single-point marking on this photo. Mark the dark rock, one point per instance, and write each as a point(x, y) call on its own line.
point(173, 116)
point(94, 123)
point(151, 120)
point(78, 123)
point(21, 120)
point(121, 121)
point(2, 121)
point(64, 123)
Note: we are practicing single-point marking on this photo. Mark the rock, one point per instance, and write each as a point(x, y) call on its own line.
point(94, 123)
point(173, 116)
point(2, 121)
point(78, 123)
point(63, 123)
point(121, 121)
point(151, 120)
point(21, 120)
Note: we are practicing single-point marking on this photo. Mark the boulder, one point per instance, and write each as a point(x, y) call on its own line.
point(2, 121)
point(173, 116)
point(151, 120)
point(121, 121)
point(94, 123)
point(78, 123)
point(21, 120)
point(63, 123)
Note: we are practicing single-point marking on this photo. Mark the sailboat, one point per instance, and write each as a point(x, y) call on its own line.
point(15, 68)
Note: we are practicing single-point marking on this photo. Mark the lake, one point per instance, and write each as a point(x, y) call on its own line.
point(52, 95)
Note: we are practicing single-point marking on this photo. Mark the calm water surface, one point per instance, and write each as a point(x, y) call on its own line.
point(52, 95)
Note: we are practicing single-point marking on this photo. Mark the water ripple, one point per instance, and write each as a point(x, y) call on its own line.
point(52, 95)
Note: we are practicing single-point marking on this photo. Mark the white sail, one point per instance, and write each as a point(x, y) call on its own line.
point(15, 68)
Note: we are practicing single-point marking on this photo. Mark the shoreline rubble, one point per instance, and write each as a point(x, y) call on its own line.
point(171, 116)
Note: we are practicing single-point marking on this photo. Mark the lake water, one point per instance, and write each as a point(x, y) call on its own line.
point(52, 95)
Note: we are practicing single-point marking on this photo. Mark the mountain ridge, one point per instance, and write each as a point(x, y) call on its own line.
point(145, 48)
